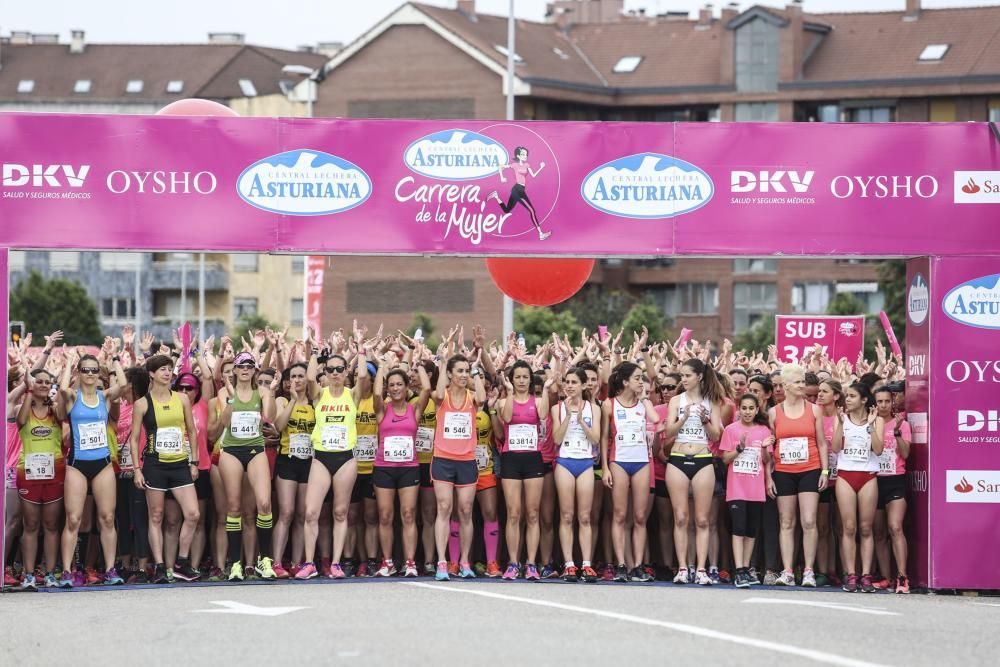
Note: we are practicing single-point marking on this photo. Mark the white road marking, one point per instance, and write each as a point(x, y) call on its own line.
point(230, 607)
point(811, 654)
point(839, 606)
point(986, 604)
point(348, 654)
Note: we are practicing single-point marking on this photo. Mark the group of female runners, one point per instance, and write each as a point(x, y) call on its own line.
point(313, 458)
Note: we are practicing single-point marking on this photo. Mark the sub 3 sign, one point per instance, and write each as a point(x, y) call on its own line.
point(840, 336)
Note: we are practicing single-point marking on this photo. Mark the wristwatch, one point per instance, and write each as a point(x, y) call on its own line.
point(897, 433)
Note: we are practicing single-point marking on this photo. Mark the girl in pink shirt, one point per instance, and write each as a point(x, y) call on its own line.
point(746, 448)
point(521, 168)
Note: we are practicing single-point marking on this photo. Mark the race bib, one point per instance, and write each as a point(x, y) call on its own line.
point(398, 449)
point(125, 457)
point(300, 445)
point(793, 450)
point(425, 440)
point(93, 435)
point(364, 449)
point(245, 425)
point(522, 438)
point(747, 462)
point(40, 466)
point(887, 462)
point(482, 457)
point(168, 440)
point(334, 437)
point(857, 447)
point(630, 434)
point(833, 468)
point(457, 426)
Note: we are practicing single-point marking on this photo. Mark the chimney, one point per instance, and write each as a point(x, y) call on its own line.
point(226, 38)
point(76, 43)
point(329, 49)
point(467, 7)
point(730, 11)
point(20, 37)
point(912, 10)
point(792, 44)
point(704, 18)
point(45, 38)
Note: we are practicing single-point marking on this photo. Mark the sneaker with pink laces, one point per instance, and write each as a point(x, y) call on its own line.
point(411, 570)
point(337, 572)
point(306, 571)
point(388, 569)
point(280, 572)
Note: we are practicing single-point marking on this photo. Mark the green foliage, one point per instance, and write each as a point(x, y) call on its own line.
point(246, 325)
point(537, 324)
point(756, 338)
point(648, 314)
point(892, 283)
point(45, 305)
point(423, 322)
point(593, 306)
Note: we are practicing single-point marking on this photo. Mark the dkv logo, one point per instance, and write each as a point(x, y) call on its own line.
point(304, 182)
point(975, 302)
point(973, 486)
point(455, 155)
point(770, 181)
point(647, 185)
point(44, 175)
point(918, 300)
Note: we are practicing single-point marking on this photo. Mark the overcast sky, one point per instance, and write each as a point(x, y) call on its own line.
point(274, 23)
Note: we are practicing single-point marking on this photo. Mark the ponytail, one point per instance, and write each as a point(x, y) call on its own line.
point(711, 387)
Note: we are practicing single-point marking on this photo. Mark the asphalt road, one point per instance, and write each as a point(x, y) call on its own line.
point(406, 622)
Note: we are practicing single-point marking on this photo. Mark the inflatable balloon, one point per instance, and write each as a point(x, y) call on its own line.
point(196, 107)
point(539, 282)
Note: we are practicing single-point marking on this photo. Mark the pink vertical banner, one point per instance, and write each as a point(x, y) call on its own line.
point(917, 359)
point(4, 287)
point(313, 317)
point(964, 426)
point(839, 336)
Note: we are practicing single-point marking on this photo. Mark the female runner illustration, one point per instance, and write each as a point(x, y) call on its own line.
point(520, 167)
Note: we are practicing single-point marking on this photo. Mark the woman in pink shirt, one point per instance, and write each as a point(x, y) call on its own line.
point(891, 482)
point(518, 195)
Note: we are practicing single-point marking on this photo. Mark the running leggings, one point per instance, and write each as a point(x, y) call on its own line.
point(132, 516)
point(518, 195)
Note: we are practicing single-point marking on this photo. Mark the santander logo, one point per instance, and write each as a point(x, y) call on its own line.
point(984, 486)
point(970, 188)
point(963, 486)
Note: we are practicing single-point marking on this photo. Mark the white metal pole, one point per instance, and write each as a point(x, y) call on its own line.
point(201, 296)
point(508, 303)
point(138, 299)
point(184, 287)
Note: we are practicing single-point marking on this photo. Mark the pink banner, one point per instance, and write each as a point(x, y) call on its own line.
point(315, 267)
point(965, 426)
point(3, 390)
point(918, 326)
point(495, 187)
point(839, 336)
point(889, 333)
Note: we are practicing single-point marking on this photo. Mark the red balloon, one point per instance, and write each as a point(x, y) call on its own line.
point(539, 282)
point(196, 107)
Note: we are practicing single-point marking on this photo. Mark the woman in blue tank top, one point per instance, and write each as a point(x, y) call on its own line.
point(89, 461)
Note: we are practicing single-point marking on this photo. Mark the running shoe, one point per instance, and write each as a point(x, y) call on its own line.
point(822, 581)
point(835, 581)
point(111, 577)
point(725, 577)
point(307, 571)
point(480, 569)
point(713, 574)
point(411, 570)
point(493, 569)
point(570, 573)
point(8, 577)
point(324, 567)
point(453, 569)
point(867, 586)
point(702, 578)
point(465, 570)
point(608, 572)
point(349, 565)
point(171, 578)
point(361, 571)
point(851, 583)
point(142, 577)
point(280, 572)
point(441, 574)
point(337, 571)
point(753, 576)
point(513, 571)
point(639, 574)
point(236, 571)
point(373, 565)
point(742, 579)
point(549, 571)
point(430, 569)
point(387, 569)
point(787, 578)
point(808, 578)
point(50, 581)
point(28, 582)
point(265, 568)
point(294, 569)
point(770, 578)
point(79, 578)
point(185, 572)
point(621, 574)
point(589, 574)
point(66, 580)
point(682, 576)
point(93, 579)
point(650, 572)
point(903, 584)
point(881, 583)
point(160, 574)
point(531, 572)
point(215, 574)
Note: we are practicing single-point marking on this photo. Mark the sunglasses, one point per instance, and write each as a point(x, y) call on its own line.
point(246, 367)
point(668, 387)
point(336, 369)
point(185, 387)
point(90, 371)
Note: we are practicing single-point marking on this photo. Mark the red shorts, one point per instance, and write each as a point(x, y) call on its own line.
point(272, 458)
point(487, 481)
point(40, 492)
point(856, 479)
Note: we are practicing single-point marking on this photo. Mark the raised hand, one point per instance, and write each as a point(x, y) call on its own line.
point(53, 339)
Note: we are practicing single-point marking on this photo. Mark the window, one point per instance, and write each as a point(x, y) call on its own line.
point(81, 86)
point(298, 264)
point(247, 88)
point(25, 85)
point(245, 263)
point(811, 297)
point(757, 46)
point(658, 263)
point(133, 86)
point(866, 293)
point(120, 261)
point(64, 261)
point(687, 298)
point(298, 312)
point(626, 65)
point(244, 307)
point(16, 260)
point(747, 112)
point(870, 115)
point(995, 115)
point(559, 52)
point(175, 86)
point(933, 52)
point(503, 50)
point(118, 308)
point(752, 302)
point(829, 113)
point(755, 265)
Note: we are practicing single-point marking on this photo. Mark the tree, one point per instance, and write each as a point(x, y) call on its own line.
point(247, 324)
point(45, 305)
point(648, 314)
point(423, 322)
point(757, 337)
point(892, 284)
point(593, 306)
point(537, 324)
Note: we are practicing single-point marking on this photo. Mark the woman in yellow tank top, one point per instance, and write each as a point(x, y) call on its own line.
point(334, 438)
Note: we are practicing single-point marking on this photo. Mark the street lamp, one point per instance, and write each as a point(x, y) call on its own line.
point(308, 72)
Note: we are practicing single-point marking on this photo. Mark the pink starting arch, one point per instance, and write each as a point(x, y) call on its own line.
point(926, 191)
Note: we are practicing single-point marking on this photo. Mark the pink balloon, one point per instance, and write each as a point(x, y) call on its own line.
point(196, 107)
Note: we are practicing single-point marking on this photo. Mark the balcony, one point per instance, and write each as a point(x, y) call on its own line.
point(166, 275)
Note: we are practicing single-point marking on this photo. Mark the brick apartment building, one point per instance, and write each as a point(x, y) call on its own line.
point(593, 62)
